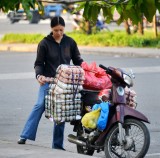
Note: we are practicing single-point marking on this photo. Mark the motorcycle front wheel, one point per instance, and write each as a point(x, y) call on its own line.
point(136, 144)
point(83, 149)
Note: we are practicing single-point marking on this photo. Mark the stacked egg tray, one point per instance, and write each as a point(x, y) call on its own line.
point(63, 100)
point(62, 107)
point(49, 104)
point(65, 108)
point(131, 98)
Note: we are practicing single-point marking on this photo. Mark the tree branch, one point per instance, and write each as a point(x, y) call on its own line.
point(76, 1)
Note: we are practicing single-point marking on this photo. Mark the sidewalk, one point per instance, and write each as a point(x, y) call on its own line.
point(113, 51)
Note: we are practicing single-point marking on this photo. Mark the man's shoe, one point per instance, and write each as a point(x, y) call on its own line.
point(21, 141)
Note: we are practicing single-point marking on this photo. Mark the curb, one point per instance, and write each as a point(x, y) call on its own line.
point(18, 47)
point(122, 51)
point(110, 51)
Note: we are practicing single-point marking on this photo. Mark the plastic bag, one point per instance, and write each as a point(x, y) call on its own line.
point(95, 77)
point(103, 118)
point(89, 120)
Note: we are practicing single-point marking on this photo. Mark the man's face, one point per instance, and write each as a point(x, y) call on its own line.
point(58, 31)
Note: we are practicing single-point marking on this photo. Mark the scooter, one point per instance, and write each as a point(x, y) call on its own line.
point(126, 135)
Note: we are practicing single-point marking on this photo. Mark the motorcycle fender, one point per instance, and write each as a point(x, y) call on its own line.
point(127, 112)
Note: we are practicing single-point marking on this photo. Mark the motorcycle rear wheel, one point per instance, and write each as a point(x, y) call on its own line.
point(137, 140)
point(83, 149)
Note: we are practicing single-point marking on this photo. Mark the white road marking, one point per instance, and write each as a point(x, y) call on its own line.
point(31, 75)
point(21, 75)
point(144, 69)
point(153, 154)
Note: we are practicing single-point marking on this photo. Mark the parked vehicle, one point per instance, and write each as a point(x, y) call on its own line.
point(50, 11)
point(125, 135)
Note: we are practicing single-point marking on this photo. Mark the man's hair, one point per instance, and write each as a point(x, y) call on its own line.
point(57, 20)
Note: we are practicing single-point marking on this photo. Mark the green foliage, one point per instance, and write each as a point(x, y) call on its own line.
point(157, 3)
point(31, 4)
point(116, 38)
point(131, 9)
point(7, 5)
point(22, 38)
point(104, 38)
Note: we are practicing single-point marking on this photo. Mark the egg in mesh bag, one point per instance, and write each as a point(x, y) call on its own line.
point(66, 96)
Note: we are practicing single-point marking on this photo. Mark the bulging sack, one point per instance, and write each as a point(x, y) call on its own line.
point(89, 120)
point(95, 77)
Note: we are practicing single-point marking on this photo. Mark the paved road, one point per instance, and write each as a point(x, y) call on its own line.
point(18, 90)
point(42, 27)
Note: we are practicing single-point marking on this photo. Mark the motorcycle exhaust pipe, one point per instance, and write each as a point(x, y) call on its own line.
point(74, 139)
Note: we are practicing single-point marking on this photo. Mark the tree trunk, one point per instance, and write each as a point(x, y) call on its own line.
point(127, 28)
point(140, 27)
point(155, 25)
point(88, 28)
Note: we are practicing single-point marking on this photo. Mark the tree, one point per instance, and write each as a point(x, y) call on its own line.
point(6, 5)
point(128, 9)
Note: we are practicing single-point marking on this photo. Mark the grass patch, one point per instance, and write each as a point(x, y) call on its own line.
point(105, 38)
point(22, 38)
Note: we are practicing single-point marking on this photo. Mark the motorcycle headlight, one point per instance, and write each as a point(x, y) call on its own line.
point(128, 80)
point(120, 90)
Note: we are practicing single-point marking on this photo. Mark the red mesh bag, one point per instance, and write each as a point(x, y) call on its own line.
point(95, 77)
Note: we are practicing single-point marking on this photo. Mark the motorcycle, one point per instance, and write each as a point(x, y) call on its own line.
point(125, 135)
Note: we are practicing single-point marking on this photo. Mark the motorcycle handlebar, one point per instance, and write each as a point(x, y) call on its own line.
point(114, 73)
point(108, 71)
